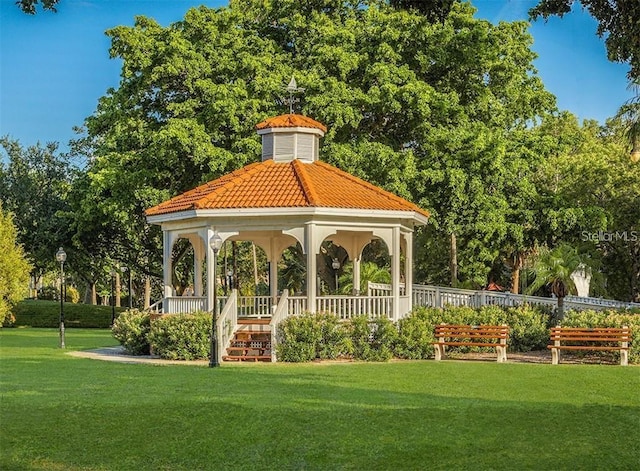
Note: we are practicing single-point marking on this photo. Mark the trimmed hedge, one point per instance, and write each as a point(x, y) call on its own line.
point(301, 338)
point(36, 313)
point(323, 336)
point(181, 336)
point(132, 329)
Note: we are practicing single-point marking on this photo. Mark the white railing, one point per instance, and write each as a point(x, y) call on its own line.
point(439, 296)
point(175, 304)
point(297, 305)
point(227, 323)
point(382, 289)
point(254, 306)
point(348, 307)
point(280, 313)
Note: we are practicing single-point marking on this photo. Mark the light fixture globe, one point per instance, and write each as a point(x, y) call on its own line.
point(216, 242)
point(61, 255)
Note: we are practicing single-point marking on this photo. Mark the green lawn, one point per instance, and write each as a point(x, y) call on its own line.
point(66, 413)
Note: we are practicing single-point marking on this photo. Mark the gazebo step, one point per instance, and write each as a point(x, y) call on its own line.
point(254, 321)
point(251, 342)
point(254, 358)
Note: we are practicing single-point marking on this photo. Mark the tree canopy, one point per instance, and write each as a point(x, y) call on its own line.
point(426, 110)
point(14, 268)
point(30, 6)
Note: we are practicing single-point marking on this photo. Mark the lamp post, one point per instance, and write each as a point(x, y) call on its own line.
point(336, 266)
point(113, 299)
point(61, 257)
point(215, 243)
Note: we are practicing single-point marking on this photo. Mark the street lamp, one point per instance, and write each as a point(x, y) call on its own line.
point(215, 243)
point(113, 299)
point(336, 266)
point(61, 257)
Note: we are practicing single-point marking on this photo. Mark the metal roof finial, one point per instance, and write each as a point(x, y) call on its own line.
point(293, 88)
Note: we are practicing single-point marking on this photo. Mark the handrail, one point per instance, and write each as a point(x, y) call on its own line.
point(155, 307)
point(227, 323)
point(280, 313)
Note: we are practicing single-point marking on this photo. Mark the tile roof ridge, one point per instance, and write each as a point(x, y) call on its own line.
point(232, 179)
point(371, 186)
point(300, 171)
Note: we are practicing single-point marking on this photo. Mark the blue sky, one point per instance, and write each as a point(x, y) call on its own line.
point(55, 67)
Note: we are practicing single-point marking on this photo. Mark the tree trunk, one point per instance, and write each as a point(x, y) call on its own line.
point(560, 309)
point(453, 265)
point(117, 288)
point(515, 274)
point(147, 291)
point(94, 293)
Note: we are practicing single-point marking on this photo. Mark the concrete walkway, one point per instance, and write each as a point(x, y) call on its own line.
point(118, 354)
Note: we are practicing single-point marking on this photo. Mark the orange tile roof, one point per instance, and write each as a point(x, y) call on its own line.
point(291, 121)
point(292, 184)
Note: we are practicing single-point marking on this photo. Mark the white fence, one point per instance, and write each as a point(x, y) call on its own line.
point(438, 296)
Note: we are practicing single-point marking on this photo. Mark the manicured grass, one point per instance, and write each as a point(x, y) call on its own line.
point(64, 413)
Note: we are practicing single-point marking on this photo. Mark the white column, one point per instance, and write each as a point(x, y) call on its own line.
point(395, 273)
point(408, 268)
point(167, 246)
point(273, 278)
point(310, 249)
point(356, 275)
point(198, 259)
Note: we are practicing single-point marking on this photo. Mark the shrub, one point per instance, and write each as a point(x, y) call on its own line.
point(333, 338)
point(415, 335)
point(528, 328)
point(131, 329)
point(181, 336)
point(609, 318)
point(311, 336)
point(372, 340)
point(49, 293)
point(72, 295)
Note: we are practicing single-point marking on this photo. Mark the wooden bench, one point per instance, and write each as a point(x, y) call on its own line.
point(596, 338)
point(494, 336)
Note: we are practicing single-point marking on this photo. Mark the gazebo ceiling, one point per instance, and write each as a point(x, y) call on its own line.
point(291, 184)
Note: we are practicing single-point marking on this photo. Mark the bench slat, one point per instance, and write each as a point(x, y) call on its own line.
point(472, 336)
point(620, 336)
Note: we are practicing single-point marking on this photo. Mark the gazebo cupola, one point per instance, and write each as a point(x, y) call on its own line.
point(290, 137)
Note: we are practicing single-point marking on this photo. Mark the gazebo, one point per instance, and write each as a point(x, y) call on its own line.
point(291, 197)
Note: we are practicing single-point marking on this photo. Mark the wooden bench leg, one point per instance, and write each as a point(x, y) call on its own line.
point(502, 354)
point(440, 355)
point(624, 357)
point(555, 356)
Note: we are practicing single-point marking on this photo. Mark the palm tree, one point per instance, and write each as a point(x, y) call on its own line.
point(369, 271)
point(553, 268)
point(630, 114)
